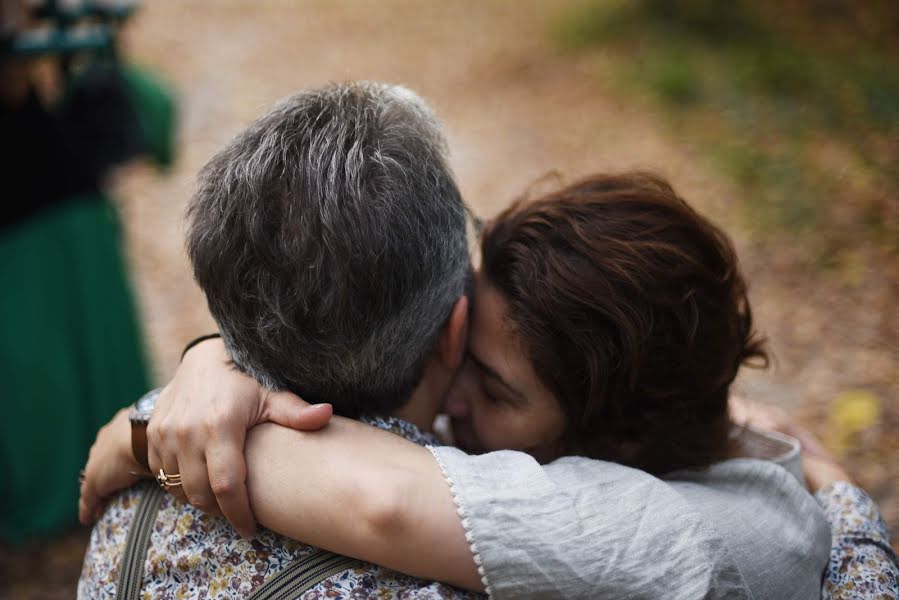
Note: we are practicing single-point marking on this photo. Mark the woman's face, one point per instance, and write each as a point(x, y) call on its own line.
point(497, 402)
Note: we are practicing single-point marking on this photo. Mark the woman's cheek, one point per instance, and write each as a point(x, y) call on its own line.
point(497, 428)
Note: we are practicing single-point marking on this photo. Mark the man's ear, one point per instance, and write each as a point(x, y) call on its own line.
point(454, 336)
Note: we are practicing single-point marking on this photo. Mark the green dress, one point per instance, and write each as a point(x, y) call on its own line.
point(70, 354)
point(70, 351)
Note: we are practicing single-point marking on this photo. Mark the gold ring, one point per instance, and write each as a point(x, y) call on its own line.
point(168, 481)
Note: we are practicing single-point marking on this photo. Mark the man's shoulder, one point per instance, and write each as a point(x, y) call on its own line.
point(195, 554)
point(189, 553)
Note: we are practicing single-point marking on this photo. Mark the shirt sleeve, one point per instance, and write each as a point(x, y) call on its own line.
point(580, 528)
point(862, 562)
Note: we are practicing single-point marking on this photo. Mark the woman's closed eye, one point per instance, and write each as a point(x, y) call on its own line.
point(489, 395)
point(496, 393)
point(493, 386)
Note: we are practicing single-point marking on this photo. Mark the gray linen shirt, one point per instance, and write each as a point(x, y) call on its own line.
point(582, 528)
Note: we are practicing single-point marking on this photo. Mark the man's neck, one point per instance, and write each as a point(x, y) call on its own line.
point(426, 399)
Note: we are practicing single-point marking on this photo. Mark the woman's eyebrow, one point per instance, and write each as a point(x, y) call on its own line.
point(493, 374)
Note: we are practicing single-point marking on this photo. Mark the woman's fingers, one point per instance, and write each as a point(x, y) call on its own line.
point(110, 467)
point(289, 410)
point(227, 479)
point(200, 424)
point(88, 500)
point(195, 480)
point(162, 460)
point(170, 477)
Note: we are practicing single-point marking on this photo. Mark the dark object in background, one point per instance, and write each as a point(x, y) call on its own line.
point(100, 120)
point(55, 155)
point(59, 152)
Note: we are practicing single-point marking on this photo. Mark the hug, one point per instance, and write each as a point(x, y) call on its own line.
point(584, 360)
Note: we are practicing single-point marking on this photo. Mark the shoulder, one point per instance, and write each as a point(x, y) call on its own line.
point(189, 552)
point(192, 553)
point(581, 528)
point(771, 525)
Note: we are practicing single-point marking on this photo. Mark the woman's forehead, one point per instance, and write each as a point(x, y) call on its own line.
point(493, 340)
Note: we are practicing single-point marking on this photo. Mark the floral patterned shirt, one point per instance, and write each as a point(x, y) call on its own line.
point(195, 555)
point(862, 562)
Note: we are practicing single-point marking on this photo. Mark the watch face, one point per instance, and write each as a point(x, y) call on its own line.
point(143, 408)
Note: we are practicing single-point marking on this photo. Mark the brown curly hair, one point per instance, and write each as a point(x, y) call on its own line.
point(634, 314)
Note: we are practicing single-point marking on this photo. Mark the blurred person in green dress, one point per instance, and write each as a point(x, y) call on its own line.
point(71, 351)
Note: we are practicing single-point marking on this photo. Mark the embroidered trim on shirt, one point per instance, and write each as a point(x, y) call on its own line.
point(466, 525)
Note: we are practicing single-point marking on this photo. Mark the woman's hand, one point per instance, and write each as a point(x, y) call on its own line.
point(199, 426)
point(110, 467)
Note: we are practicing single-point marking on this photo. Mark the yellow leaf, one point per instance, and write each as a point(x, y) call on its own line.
point(852, 412)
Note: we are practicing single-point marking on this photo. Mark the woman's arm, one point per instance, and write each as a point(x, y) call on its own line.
point(363, 492)
point(110, 467)
point(352, 489)
point(349, 488)
point(199, 424)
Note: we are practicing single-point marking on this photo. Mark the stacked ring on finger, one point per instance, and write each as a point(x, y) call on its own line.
point(168, 481)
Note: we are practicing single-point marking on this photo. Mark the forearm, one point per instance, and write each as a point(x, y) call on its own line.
point(362, 492)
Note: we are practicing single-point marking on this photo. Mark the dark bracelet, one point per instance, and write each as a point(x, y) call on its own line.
point(202, 338)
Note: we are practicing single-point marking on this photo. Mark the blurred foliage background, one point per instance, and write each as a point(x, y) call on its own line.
point(796, 101)
point(778, 119)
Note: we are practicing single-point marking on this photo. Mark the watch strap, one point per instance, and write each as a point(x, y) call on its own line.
point(139, 444)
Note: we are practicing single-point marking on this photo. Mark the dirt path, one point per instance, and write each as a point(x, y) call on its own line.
point(513, 109)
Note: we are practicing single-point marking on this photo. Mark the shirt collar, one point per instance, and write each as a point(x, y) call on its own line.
point(404, 429)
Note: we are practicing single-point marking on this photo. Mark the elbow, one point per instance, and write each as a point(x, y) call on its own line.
point(383, 509)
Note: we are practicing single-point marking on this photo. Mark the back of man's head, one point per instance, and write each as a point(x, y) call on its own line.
point(329, 238)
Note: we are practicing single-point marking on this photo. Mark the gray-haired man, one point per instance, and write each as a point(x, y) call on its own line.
point(329, 238)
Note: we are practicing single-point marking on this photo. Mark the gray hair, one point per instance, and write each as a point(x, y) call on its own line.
point(329, 238)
